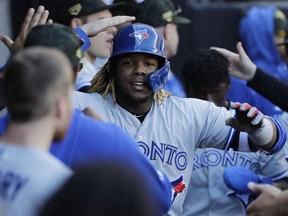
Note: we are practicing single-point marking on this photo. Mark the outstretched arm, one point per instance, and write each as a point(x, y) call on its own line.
point(243, 68)
point(93, 28)
point(240, 64)
point(33, 18)
point(265, 134)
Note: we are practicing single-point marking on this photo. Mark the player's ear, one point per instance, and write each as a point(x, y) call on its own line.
point(165, 32)
point(60, 107)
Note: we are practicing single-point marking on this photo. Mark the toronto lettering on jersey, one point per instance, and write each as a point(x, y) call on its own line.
point(215, 158)
point(166, 153)
point(10, 184)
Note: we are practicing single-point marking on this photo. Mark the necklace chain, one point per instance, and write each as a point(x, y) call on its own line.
point(139, 116)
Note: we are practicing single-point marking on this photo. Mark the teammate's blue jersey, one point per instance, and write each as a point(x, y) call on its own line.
point(88, 140)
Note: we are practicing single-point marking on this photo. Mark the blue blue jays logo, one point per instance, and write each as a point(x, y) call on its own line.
point(178, 186)
point(140, 35)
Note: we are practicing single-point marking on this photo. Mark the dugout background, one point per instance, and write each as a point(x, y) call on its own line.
point(214, 22)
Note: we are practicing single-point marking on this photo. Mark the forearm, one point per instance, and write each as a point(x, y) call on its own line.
point(266, 137)
point(270, 87)
point(276, 135)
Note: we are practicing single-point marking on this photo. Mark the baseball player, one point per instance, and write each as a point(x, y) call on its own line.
point(74, 13)
point(206, 77)
point(166, 17)
point(38, 101)
point(128, 91)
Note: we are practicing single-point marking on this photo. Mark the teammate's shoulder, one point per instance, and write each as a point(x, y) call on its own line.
point(88, 124)
point(85, 94)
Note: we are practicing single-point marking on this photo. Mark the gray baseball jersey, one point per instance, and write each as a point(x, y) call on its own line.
point(27, 178)
point(207, 180)
point(169, 134)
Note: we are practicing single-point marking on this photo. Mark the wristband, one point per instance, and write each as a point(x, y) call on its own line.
point(264, 135)
point(281, 138)
point(83, 36)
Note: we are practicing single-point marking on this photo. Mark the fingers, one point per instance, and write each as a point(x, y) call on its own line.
point(240, 49)
point(27, 20)
point(255, 187)
point(44, 18)
point(258, 118)
point(39, 17)
point(50, 21)
point(7, 41)
point(225, 52)
point(114, 21)
point(252, 112)
point(32, 19)
point(235, 105)
point(93, 28)
point(261, 188)
point(247, 66)
point(121, 19)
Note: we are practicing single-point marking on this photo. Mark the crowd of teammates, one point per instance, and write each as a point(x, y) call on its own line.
point(120, 95)
point(206, 77)
point(129, 92)
point(271, 199)
point(79, 146)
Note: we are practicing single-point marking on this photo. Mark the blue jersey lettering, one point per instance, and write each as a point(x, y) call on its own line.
point(165, 153)
point(10, 185)
point(211, 158)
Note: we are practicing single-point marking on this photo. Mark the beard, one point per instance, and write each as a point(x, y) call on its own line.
point(132, 98)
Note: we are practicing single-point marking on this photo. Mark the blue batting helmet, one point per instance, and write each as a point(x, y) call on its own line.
point(142, 38)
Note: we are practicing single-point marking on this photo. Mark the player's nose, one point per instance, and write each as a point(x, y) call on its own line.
point(140, 68)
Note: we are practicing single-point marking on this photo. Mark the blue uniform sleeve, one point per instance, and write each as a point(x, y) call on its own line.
point(3, 123)
point(281, 138)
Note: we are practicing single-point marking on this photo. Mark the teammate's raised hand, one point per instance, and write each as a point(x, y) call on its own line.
point(248, 118)
point(95, 27)
point(240, 64)
point(40, 17)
